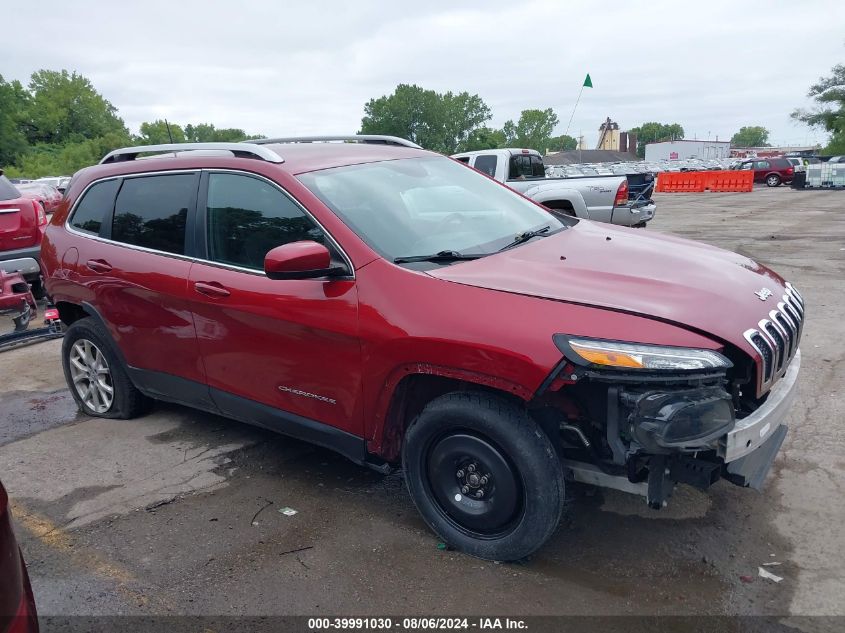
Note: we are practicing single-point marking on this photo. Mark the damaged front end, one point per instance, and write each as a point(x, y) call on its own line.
point(17, 300)
point(642, 418)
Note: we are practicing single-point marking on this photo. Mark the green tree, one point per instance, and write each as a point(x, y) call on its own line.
point(751, 136)
point(441, 122)
point(484, 138)
point(533, 130)
point(207, 133)
point(829, 113)
point(156, 133)
point(65, 107)
point(13, 106)
point(562, 143)
point(653, 132)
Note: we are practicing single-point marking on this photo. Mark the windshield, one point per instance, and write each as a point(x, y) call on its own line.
point(417, 206)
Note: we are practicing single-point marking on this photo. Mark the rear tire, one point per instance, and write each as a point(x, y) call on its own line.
point(772, 180)
point(95, 375)
point(484, 475)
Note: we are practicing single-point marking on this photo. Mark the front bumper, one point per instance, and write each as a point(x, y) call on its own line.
point(744, 455)
point(751, 432)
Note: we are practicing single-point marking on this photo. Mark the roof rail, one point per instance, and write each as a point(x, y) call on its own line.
point(375, 139)
point(241, 150)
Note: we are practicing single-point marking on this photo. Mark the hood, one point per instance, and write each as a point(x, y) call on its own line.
point(687, 283)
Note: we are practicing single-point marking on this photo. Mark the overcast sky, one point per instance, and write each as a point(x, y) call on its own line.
point(285, 68)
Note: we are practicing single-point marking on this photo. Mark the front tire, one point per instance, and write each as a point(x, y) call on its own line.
point(484, 475)
point(95, 375)
point(772, 180)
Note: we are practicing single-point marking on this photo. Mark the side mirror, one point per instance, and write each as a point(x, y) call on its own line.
point(300, 260)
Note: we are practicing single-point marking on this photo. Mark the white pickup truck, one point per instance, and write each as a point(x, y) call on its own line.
point(611, 199)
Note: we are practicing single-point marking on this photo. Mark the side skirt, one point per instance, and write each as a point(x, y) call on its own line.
point(169, 388)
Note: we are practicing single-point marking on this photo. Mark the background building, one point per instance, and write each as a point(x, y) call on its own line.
point(681, 149)
point(612, 139)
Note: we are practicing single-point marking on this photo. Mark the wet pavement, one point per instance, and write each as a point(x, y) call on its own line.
point(178, 512)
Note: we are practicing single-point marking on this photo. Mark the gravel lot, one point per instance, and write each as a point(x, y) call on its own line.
point(179, 512)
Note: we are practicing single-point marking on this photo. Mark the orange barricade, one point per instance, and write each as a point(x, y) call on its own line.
point(680, 181)
point(730, 180)
point(698, 181)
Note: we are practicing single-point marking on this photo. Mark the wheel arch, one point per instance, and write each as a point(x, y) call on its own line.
point(565, 199)
point(413, 387)
point(70, 312)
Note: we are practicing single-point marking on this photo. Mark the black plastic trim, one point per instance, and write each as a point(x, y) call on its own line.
point(258, 414)
point(92, 312)
point(170, 388)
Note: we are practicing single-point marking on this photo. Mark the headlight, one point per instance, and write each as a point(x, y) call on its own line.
point(634, 356)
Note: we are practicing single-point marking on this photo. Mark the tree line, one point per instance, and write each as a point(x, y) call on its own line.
point(59, 123)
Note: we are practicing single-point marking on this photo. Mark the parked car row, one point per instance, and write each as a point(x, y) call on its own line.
point(58, 182)
point(23, 220)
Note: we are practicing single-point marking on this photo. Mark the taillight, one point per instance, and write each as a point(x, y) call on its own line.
point(790, 171)
point(621, 194)
point(39, 209)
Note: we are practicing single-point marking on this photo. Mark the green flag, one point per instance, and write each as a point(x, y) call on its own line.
point(588, 83)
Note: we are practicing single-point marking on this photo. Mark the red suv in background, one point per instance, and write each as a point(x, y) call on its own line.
point(772, 171)
point(22, 224)
point(403, 309)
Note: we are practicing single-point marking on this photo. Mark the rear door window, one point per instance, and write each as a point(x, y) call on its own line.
point(96, 205)
point(487, 164)
point(152, 211)
point(247, 217)
point(7, 189)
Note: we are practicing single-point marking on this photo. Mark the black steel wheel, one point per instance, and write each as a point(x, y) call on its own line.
point(484, 475)
point(474, 484)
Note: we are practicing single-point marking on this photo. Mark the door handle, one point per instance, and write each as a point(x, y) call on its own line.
point(99, 265)
point(210, 289)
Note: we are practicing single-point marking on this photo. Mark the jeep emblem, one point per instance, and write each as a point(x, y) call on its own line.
point(763, 294)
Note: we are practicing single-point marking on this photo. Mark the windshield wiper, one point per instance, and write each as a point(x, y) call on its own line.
point(524, 237)
point(442, 256)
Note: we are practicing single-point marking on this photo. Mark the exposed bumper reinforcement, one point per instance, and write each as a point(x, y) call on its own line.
point(751, 470)
point(753, 431)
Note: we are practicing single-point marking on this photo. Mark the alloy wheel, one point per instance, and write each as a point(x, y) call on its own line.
point(91, 376)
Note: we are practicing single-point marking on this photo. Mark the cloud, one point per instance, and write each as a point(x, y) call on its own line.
point(287, 69)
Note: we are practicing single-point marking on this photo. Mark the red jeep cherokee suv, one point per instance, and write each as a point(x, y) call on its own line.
point(402, 309)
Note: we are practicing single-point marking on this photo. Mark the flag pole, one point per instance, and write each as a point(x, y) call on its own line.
point(572, 116)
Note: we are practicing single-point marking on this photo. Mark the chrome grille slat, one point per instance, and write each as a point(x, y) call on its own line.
point(776, 338)
point(779, 336)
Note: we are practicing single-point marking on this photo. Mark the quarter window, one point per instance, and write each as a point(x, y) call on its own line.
point(151, 211)
point(96, 205)
point(248, 217)
point(487, 164)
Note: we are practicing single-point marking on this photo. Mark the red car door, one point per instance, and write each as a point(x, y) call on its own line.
point(282, 354)
point(135, 274)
